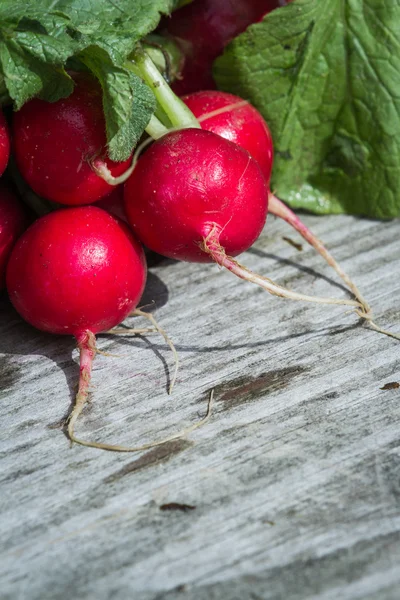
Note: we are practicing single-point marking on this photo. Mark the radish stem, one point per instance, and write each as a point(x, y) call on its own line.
point(174, 108)
point(156, 128)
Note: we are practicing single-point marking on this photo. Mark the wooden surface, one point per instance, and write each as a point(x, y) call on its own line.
point(292, 490)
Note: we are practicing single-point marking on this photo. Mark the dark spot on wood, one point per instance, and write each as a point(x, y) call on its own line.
point(319, 399)
point(160, 454)
point(247, 389)
point(392, 385)
point(296, 245)
point(177, 506)
point(21, 473)
point(10, 372)
point(27, 424)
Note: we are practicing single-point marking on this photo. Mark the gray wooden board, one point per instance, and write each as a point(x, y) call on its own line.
point(295, 480)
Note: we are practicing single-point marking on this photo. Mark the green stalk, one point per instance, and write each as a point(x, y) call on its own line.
point(155, 128)
point(176, 110)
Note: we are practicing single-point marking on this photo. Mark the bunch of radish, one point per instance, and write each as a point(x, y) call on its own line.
point(198, 193)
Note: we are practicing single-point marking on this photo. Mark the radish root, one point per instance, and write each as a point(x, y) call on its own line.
point(116, 448)
point(279, 209)
point(88, 350)
point(212, 246)
point(156, 328)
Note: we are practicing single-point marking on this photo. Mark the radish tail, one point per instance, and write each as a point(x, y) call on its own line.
point(279, 209)
point(212, 246)
point(87, 352)
point(115, 448)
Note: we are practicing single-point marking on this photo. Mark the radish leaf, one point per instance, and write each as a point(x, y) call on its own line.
point(325, 76)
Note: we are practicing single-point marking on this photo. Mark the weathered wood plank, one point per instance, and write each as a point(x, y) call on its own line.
point(295, 480)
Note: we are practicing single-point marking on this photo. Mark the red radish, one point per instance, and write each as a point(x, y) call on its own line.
point(13, 221)
point(203, 28)
point(4, 143)
point(191, 184)
point(55, 142)
point(226, 115)
point(194, 196)
point(76, 271)
point(240, 123)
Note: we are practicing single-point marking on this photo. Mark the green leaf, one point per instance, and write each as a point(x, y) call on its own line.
point(127, 102)
point(26, 77)
point(39, 38)
point(325, 76)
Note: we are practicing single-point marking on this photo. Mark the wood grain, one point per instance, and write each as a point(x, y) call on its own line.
point(294, 484)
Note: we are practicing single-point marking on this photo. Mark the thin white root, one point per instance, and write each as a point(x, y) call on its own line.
point(156, 328)
point(140, 313)
point(115, 448)
point(368, 319)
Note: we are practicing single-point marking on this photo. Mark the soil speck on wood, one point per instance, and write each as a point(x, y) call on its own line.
point(392, 385)
point(177, 506)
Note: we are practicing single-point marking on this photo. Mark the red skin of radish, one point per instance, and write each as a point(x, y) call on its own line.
point(189, 184)
point(4, 143)
point(54, 142)
point(243, 126)
point(13, 221)
point(203, 28)
point(76, 270)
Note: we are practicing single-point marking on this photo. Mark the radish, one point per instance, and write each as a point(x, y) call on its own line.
point(4, 143)
point(80, 271)
point(13, 221)
point(54, 144)
point(235, 120)
point(194, 196)
point(77, 271)
point(202, 29)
